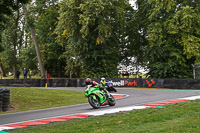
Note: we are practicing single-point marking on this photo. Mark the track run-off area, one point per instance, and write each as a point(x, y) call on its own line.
point(127, 100)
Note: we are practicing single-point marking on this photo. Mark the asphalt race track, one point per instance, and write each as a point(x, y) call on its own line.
point(134, 97)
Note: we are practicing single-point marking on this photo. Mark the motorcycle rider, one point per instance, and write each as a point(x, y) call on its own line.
point(88, 81)
point(103, 82)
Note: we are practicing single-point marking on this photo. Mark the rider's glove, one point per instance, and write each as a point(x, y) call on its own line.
point(98, 85)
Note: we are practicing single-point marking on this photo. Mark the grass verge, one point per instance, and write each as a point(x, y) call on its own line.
point(174, 118)
point(24, 99)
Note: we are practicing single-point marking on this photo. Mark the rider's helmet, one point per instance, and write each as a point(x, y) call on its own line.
point(103, 79)
point(88, 81)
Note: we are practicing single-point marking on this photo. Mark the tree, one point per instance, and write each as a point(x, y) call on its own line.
point(135, 43)
point(172, 31)
point(6, 10)
point(10, 43)
point(93, 34)
point(6, 7)
point(51, 51)
point(42, 71)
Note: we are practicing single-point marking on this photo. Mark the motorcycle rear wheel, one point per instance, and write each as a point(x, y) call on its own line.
point(95, 103)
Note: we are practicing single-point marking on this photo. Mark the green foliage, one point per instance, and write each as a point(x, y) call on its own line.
point(51, 51)
point(8, 28)
point(91, 32)
point(6, 55)
point(6, 7)
point(28, 58)
point(172, 32)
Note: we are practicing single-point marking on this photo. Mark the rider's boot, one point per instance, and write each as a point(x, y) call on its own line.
point(108, 95)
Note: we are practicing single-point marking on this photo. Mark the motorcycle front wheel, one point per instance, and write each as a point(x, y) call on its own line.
point(112, 101)
point(95, 103)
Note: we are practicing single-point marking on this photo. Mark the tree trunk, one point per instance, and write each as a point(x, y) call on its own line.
point(42, 71)
point(70, 74)
point(2, 70)
point(15, 45)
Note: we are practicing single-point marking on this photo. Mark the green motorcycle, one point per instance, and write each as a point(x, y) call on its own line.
point(97, 97)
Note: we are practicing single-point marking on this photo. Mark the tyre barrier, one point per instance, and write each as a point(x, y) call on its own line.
point(4, 99)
